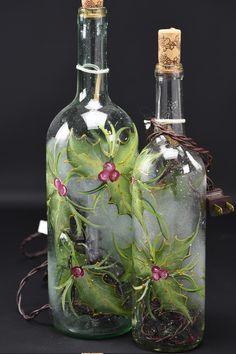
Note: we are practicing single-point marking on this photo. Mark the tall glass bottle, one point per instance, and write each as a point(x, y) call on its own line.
point(91, 150)
point(169, 193)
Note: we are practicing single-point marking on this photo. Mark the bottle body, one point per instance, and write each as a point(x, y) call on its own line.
point(91, 149)
point(88, 218)
point(169, 193)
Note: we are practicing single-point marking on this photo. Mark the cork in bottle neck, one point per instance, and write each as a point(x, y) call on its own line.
point(92, 9)
point(92, 4)
point(169, 51)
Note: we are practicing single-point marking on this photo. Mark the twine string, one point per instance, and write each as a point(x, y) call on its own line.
point(92, 69)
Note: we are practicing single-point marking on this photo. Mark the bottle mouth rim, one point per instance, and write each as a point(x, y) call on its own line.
point(93, 12)
point(169, 69)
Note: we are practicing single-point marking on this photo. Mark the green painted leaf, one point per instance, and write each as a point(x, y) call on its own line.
point(119, 192)
point(70, 304)
point(126, 260)
point(65, 291)
point(142, 264)
point(50, 174)
point(193, 286)
point(171, 254)
point(59, 214)
point(127, 153)
point(161, 222)
point(170, 296)
point(99, 296)
point(87, 158)
point(50, 181)
point(137, 204)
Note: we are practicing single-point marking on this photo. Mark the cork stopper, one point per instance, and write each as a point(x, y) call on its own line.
point(169, 49)
point(92, 4)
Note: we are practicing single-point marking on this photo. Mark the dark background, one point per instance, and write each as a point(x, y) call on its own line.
point(38, 78)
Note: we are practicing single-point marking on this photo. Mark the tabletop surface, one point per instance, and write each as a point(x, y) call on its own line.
point(38, 336)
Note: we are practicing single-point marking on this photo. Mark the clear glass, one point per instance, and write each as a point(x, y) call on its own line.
point(169, 193)
point(91, 150)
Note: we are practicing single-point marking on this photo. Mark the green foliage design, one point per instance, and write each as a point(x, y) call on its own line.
point(92, 290)
point(84, 158)
point(170, 255)
point(88, 155)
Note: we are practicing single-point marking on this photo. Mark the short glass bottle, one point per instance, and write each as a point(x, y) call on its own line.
point(169, 193)
point(91, 149)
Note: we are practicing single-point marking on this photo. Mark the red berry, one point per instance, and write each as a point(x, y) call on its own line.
point(104, 176)
point(164, 274)
point(57, 183)
point(190, 339)
point(62, 190)
point(109, 166)
point(114, 176)
point(155, 269)
point(77, 272)
point(155, 276)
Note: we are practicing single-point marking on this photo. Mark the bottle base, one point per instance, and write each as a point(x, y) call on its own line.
point(151, 346)
point(86, 327)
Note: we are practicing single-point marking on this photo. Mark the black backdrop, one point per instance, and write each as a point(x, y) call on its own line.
point(38, 78)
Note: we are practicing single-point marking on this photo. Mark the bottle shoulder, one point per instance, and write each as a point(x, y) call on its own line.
point(162, 158)
point(87, 115)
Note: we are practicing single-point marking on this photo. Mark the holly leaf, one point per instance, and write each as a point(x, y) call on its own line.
point(193, 286)
point(99, 296)
point(126, 260)
point(50, 181)
point(119, 192)
point(93, 291)
point(170, 296)
point(169, 256)
point(86, 157)
point(172, 254)
point(59, 214)
point(50, 173)
point(127, 153)
point(137, 204)
point(141, 263)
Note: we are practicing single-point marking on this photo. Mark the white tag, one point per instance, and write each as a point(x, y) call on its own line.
point(43, 227)
point(169, 153)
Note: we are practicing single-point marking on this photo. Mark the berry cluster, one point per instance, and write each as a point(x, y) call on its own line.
point(77, 272)
point(61, 188)
point(158, 273)
point(109, 173)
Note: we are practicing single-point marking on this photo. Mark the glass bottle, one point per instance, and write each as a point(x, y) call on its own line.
point(169, 193)
point(91, 149)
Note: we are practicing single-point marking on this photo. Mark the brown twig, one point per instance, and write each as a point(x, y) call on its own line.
point(158, 129)
point(23, 282)
point(26, 241)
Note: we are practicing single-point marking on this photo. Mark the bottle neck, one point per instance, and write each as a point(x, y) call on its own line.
point(169, 99)
point(92, 49)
